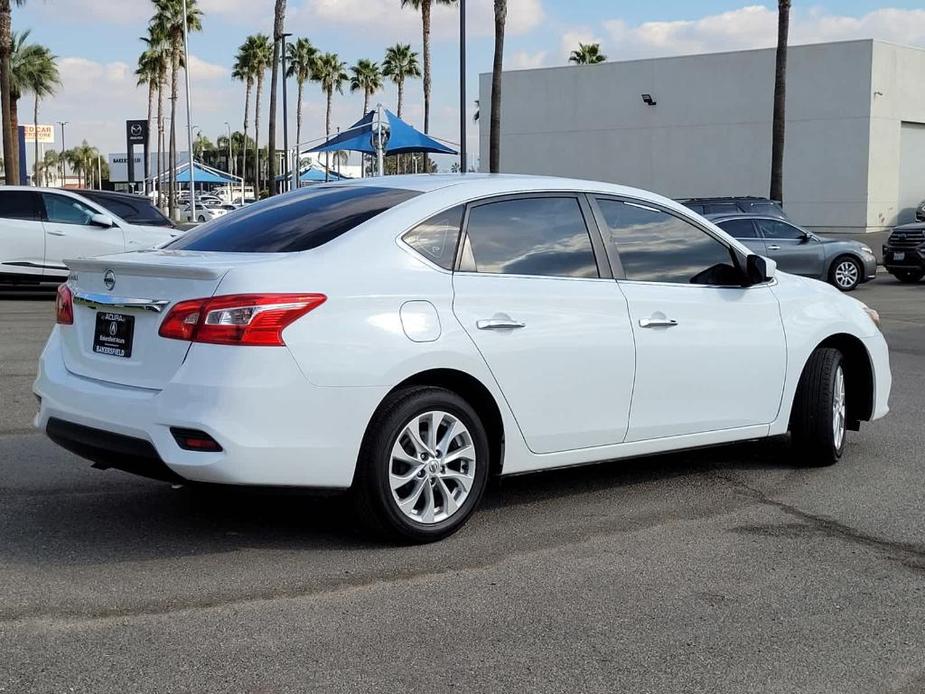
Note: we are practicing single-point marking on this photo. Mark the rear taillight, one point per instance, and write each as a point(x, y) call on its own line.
point(64, 306)
point(238, 319)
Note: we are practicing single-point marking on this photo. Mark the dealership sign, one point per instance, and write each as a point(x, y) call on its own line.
point(46, 133)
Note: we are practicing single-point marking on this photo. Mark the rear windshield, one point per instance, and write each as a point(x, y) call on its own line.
point(295, 221)
point(140, 211)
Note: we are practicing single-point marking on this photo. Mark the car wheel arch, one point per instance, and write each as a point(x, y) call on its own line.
point(859, 375)
point(475, 393)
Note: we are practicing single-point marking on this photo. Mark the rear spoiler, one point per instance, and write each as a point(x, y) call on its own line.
point(167, 266)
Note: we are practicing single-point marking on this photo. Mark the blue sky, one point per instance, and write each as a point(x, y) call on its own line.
point(97, 44)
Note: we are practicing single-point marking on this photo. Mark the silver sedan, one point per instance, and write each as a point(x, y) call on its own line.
point(841, 262)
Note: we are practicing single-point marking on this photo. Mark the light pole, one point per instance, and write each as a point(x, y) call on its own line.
point(288, 178)
point(462, 86)
point(62, 123)
point(189, 128)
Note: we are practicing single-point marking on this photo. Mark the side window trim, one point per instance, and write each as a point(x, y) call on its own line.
point(598, 247)
point(614, 254)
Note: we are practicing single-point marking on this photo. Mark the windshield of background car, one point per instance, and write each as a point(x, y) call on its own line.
point(296, 221)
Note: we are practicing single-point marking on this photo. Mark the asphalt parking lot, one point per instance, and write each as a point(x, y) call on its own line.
point(724, 570)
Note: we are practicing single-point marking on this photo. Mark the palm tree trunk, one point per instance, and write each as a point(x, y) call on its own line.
point(494, 132)
point(174, 70)
point(425, 24)
point(401, 98)
point(257, 135)
point(780, 102)
point(327, 133)
point(247, 108)
point(5, 97)
point(14, 134)
point(279, 16)
point(160, 143)
point(151, 91)
point(298, 135)
point(37, 176)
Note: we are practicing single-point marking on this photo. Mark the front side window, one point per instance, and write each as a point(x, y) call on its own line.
point(775, 229)
point(739, 228)
point(529, 236)
point(655, 246)
point(61, 209)
point(437, 238)
point(18, 204)
point(295, 221)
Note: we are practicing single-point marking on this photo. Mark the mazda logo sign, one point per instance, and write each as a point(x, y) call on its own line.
point(109, 279)
point(136, 129)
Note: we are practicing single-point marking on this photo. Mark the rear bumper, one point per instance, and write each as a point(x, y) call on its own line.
point(275, 428)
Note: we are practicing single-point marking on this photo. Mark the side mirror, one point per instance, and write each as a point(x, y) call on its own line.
point(759, 269)
point(102, 220)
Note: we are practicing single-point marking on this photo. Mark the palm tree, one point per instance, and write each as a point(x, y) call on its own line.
point(243, 70)
point(83, 160)
point(425, 7)
point(168, 23)
point(152, 66)
point(780, 102)
point(400, 63)
point(587, 54)
point(261, 55)
point(50, 162)
point(41, 78)
point(301, 59)
point(279, 17)
point(6, 41)
point(21, 57)
point(494, 122)
point(331, 73)
point(367, 78)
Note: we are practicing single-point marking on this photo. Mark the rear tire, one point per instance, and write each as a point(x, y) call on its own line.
point(846, 273)
point(818, 422)
point(423, 466)
point(909, 276)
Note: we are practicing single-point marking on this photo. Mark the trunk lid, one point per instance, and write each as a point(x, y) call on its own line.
point(120, 302)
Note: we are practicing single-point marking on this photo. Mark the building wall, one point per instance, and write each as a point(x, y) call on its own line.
point(897, 134)
point(710, 132)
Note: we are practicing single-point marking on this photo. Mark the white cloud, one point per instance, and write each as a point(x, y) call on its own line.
point(387, 18)
point(201, 70)
point(522, 60)
point(755, 26)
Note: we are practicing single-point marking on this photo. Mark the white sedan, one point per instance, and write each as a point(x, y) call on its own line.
point(205, 211)
point(407, 337)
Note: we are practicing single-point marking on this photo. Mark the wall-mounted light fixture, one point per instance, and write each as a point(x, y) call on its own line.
point(648, 100)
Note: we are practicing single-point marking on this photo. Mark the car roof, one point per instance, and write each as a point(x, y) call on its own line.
point(730, 198)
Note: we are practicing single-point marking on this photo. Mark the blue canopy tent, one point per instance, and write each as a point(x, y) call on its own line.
point(380, 133)
point(313, 175)
point(202, 174)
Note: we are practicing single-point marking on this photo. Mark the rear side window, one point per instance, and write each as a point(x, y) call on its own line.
point(296, 221)
point(139, 211)
point(437, 238)
point(739, 228)
point(655, 246)
point(529, 236)
point(18, 204)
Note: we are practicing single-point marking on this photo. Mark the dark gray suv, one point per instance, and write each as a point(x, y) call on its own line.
point(843, 263)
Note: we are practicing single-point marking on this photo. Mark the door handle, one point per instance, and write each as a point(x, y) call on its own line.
point(657, 322)
point(499, 324)
point(57, 233)
point(774, 247)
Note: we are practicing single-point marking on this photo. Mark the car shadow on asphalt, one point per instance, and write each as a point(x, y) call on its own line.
point(130, 519)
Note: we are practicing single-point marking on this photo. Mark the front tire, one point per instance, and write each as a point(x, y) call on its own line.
point(818, 422)
point(846, 273)
point(909, 276)
point(423, 465)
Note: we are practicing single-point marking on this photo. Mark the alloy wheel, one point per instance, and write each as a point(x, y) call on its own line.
point(432, 467)
point(846, 274)
point(839, 408)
